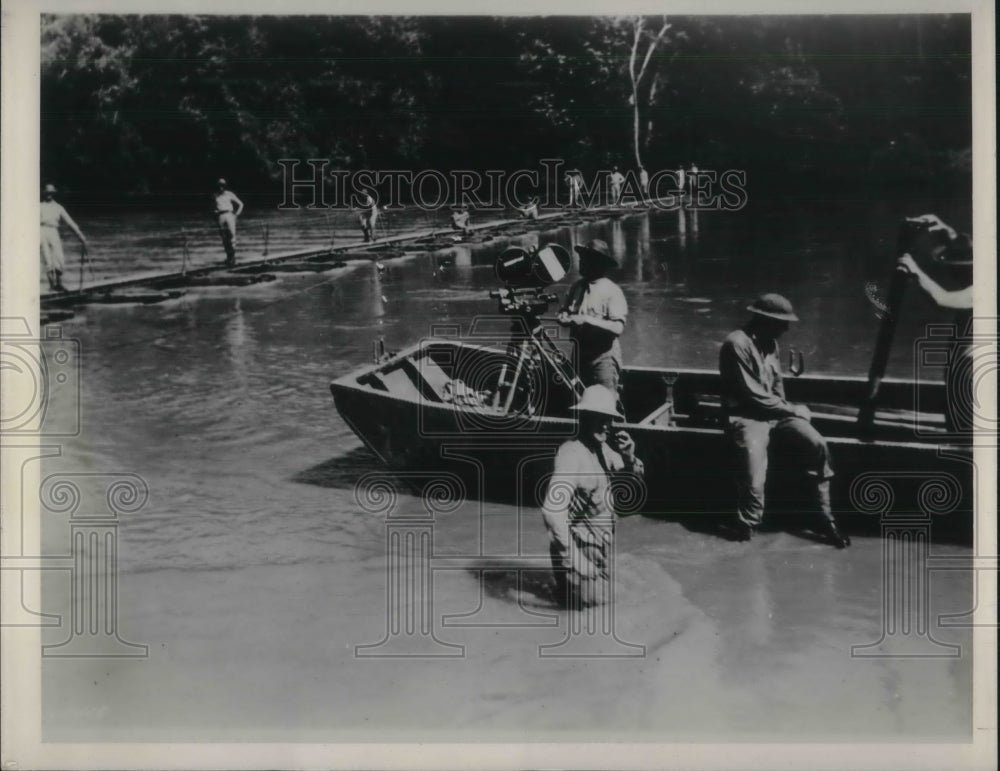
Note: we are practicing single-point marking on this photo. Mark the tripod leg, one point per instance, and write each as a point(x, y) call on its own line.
point(500, 383)
point(517, 375)
point(558, 362)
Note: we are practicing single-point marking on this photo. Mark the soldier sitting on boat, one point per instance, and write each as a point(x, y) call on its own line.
point(595, 311)
point(755, 411)
point(579, 510)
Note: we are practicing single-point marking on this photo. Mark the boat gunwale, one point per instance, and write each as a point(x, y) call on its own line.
point(349, 382)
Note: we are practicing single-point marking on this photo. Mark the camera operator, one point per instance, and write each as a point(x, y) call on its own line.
point(939, 242)
point(595, 312)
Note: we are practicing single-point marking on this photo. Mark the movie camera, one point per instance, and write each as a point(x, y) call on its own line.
point(531, 352)
point(918, 235)
point(525, 274)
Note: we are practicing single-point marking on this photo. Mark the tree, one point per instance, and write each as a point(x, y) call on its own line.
point(636, 74)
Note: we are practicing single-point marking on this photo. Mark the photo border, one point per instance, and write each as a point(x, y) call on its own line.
point(20, 703)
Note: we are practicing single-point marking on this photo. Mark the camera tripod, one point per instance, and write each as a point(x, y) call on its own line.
point(529, 346)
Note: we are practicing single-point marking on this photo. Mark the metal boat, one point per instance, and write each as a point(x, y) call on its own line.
point(440, 406)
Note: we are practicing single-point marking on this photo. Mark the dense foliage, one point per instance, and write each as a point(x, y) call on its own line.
point(162, 104)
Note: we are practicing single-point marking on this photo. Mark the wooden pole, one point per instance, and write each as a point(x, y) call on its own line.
point(184, 252)
point(267, 236)
point(883, 344)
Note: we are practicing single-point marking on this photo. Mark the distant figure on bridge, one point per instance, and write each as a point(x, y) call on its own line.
point(693, 181)
point(51, 244)
point(755, 411)
point(575, 182)
point(615, 180)
point(460, 218)
point(227, 208)
point(531, 210)
point(644, 182)
point(368, 218)
point(579, 508)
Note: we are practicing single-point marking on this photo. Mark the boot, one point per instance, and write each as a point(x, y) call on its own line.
point(837, 538)
point(743, 532)
point(59, 285)
point(51, 276)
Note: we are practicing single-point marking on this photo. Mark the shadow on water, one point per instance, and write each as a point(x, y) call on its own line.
point(341, 472)
point(791, 512)
point(529, 587)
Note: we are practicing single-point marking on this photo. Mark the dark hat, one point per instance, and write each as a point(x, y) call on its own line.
point(599, 248)
point(774, 306)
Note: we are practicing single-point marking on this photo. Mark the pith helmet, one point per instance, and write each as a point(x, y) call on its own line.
point(221, 182)
point(773, 305)
point(598, 400)
point(49, 188)
point(598, 248)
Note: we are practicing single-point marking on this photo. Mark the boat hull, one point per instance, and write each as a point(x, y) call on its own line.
point(901, 473)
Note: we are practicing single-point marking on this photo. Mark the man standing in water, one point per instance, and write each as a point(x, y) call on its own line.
point(51, 244)
point(755, 411)
point(947, 247)
point(227, 208)
point(595, 311)
point(579, 510)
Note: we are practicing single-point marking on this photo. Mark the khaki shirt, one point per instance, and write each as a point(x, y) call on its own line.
point(751, 379)
point(602, 299)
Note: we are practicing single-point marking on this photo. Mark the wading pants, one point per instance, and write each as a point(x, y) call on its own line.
point(581, 554)
point(803, 442)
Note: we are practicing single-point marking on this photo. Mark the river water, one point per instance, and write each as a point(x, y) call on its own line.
point(253, 573)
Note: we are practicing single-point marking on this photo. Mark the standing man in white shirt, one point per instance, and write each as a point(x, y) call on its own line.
point(616, 180)
point(227, 208)
point(595, 311)
point(51, 244)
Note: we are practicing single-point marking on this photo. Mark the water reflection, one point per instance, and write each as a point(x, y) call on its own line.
point(376, 292)
point(240, 346)
point(617, 240)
